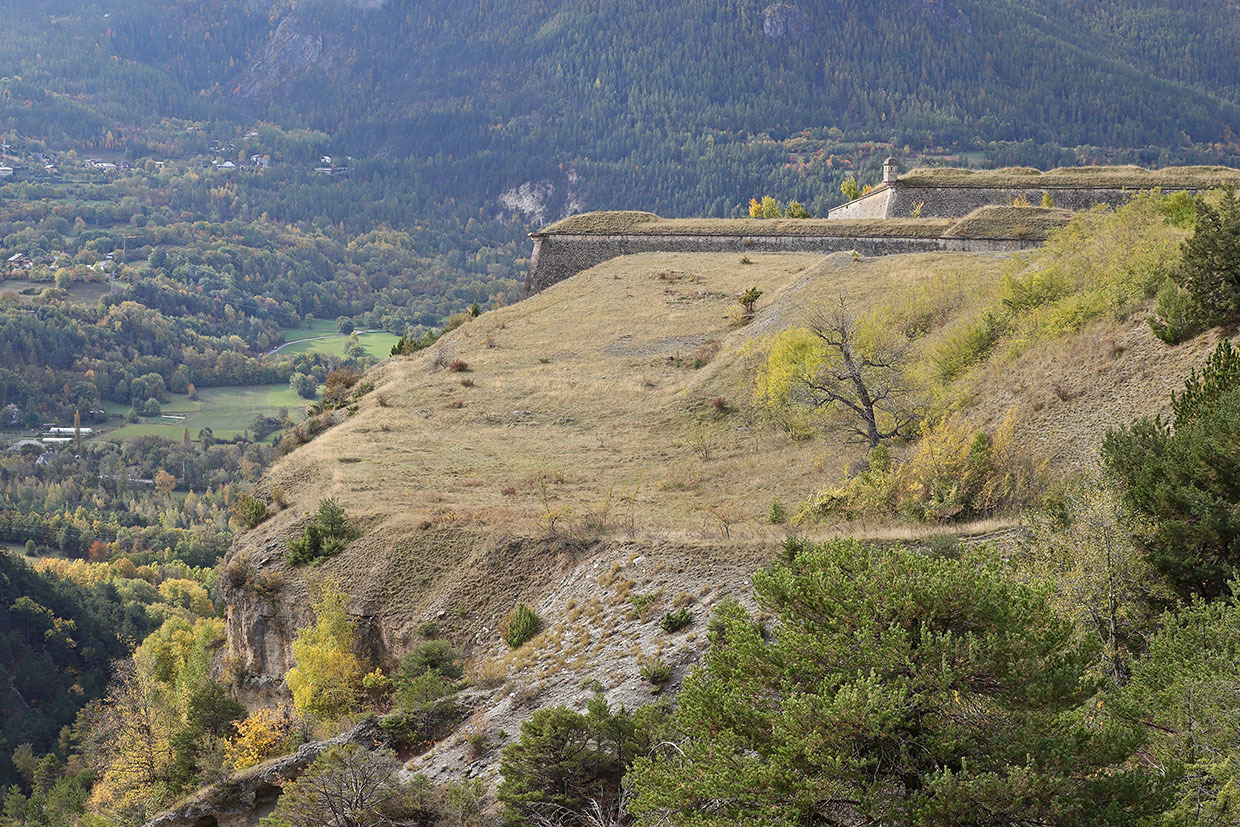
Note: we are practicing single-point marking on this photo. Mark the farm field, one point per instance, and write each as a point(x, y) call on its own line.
point(226, 411)
point(377, 344)
point(315, 327)
point(79, 292)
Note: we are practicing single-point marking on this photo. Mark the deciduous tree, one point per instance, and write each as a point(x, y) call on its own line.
point(347, 786)
point(1102, 581)
point(327, 678)
point(847, 383)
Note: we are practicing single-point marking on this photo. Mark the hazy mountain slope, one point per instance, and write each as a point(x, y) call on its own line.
point(661, 106)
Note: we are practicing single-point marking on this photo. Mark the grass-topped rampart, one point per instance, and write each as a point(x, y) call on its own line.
point(988, 223)
point(644, 224)
point(1032, 223)
point(1110, 177)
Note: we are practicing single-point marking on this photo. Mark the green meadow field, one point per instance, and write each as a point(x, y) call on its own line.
point(226, 411)
point(324, 338)
point(231, 411)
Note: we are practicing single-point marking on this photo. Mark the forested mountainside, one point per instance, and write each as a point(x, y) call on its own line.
point(672, 106)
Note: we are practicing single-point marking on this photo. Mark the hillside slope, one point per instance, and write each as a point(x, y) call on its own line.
point(575, 458)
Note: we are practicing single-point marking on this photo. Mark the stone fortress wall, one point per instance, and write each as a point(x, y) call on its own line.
point(904, 214)
point(943, 202)
point(908, 200)
point(559, 256)
point(952, 193)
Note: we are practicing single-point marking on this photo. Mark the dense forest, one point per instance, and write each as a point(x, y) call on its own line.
point(188, 289)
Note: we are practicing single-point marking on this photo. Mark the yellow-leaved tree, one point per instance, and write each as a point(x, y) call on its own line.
point(326, 681)
point(148, 736)
point(1087, 548)
point(841, 374)
point(129, 734)
point(265, 734)
point(186, 594)
point(768, 207)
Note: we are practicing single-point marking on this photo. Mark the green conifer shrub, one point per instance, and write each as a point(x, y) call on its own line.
point(522, 625)
point(326, 536)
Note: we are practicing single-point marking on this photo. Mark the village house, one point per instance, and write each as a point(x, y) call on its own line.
point(19, 262)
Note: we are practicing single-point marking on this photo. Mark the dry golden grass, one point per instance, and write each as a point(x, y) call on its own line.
point(589, 423)
point(588, 404)
point(605, 221)
point(1031, 223)
point(588, 419)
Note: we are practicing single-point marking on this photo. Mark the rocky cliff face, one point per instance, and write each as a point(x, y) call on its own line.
point(260, 628)
point(539, 202)
point(781, 20)
point(292, 49)
point(267, 603)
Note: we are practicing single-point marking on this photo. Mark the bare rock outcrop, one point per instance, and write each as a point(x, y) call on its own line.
point(292, 49)
point(784, 20)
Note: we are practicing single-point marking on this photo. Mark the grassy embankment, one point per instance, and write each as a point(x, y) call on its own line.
point(986, 222)
point(645, 223)
point(1121, 177)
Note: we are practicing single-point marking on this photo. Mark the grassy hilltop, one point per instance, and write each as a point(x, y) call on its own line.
point(613, 416)
point(631, 379)
point(572, 494)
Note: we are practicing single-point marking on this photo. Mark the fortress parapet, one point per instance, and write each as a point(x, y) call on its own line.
point(953, 193)
point(580, 242)
point(923, 210)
